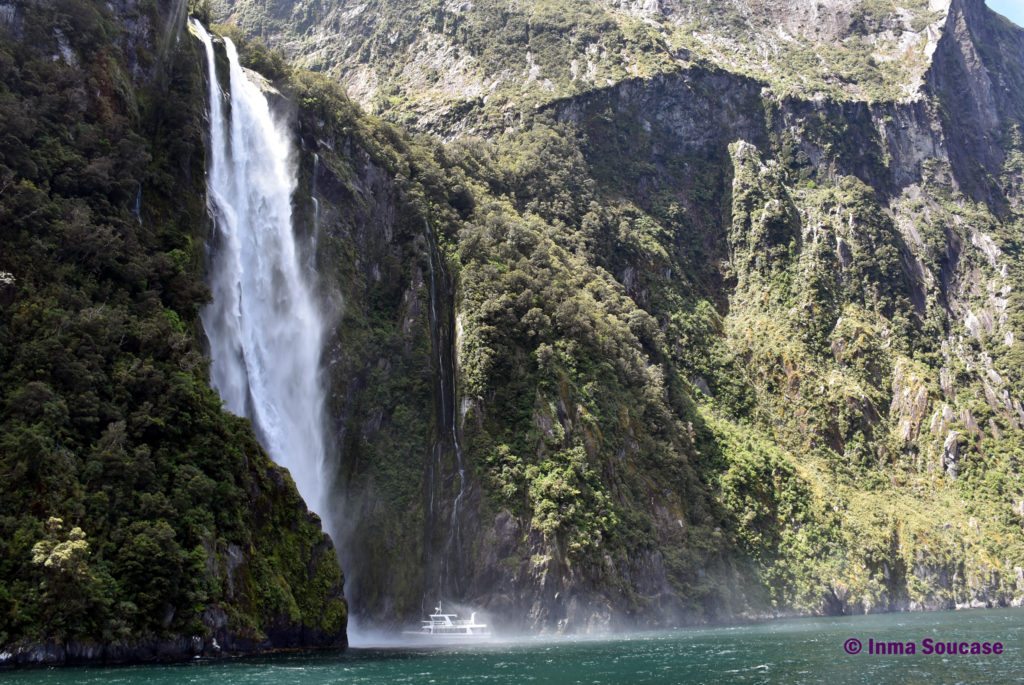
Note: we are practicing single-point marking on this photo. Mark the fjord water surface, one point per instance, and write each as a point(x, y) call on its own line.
point(790, 652)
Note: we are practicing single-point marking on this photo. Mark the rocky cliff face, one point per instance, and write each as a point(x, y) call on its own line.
point(429, 65)
point(138, 521)
point(734, 333)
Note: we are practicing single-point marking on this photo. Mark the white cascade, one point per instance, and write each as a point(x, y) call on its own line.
point(265, 328)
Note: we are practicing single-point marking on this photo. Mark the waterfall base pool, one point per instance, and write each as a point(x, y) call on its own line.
point(787, 652)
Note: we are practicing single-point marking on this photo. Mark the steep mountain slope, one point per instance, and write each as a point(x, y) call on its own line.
point(430, 64)
point(713, 333)
point(137, 519)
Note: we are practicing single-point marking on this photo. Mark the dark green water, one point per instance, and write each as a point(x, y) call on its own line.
point(785, 652)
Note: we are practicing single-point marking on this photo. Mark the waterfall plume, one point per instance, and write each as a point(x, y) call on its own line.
point(264, 325)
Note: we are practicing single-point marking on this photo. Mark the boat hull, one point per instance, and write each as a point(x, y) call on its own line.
point(447, 637)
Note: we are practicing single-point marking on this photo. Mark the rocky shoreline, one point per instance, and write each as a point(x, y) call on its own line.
point(165, 650)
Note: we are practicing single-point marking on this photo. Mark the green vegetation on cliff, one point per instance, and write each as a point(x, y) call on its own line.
point(717, 354)
point(668, 347)
point(133, 508)
point(442, 65)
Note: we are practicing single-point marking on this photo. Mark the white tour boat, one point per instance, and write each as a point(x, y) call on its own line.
point(442, 625)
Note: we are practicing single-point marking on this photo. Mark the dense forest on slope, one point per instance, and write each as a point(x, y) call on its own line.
point(711, 347)
point(137, 519)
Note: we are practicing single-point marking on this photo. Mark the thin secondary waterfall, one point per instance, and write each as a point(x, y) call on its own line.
point(442, 334)
point(265, 329)
point(316, 213)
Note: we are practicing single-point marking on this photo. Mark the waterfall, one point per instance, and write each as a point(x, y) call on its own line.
point(265, 329)
point(137, 207)
point(315, 235)
point(442, 339)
